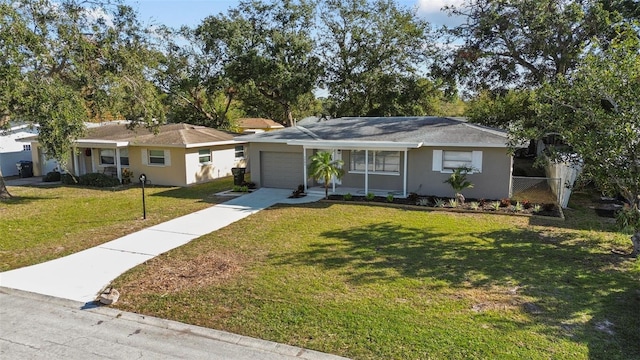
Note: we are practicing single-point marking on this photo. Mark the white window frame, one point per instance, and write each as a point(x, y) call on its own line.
point(439, 161)
point(154, 154)
point(124, 157)
point(239, 154)
point(374, 163)
point(205, 157)
point(110, 153)
point(145, 155)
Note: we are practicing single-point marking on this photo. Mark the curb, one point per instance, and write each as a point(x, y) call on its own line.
point(174, 326)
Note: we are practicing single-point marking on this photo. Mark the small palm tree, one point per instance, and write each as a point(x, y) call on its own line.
point(323, 167)
point(458, 181)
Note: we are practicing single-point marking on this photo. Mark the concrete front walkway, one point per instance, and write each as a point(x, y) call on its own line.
point(83, 275)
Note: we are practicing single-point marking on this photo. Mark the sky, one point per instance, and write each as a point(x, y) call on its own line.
point(175, 13)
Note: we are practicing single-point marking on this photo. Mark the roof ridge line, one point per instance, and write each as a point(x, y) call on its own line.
point(309, 132)
point(482, 128)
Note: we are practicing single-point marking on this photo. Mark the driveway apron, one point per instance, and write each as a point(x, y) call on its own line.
point(83, 275)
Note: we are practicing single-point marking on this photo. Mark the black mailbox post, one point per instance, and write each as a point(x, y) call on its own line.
point(143, 179)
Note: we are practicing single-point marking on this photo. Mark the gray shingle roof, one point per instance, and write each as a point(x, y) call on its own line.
point(427, 130)
point(168, 135)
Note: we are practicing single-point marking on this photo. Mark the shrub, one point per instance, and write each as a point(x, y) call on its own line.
point(439, 203)
point(453, 203)
point(474, 205)
point(98, 180)
point(249, 185)
point(518, 207)
point(537, 208)
point(68, 179)
point(496, 205)
point(390, 198)
point(423, 202)
point(52, 176)
point(505, 202)
point(347, 196)
point(370, 196)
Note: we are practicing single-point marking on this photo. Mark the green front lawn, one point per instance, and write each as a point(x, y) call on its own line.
point(46, 222)
point(386, 283)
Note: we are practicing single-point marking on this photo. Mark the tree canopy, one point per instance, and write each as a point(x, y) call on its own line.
point(597, 112)
point(68, 62)
point(375, 55)
point(268, 47)
point(520, 43)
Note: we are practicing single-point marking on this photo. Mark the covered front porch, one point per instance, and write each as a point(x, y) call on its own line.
point(380, 168)
point(108, 157)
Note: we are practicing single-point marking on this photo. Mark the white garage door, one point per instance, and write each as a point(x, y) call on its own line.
point(281, 170)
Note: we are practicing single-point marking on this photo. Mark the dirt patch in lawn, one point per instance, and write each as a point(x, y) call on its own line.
point(175, 275)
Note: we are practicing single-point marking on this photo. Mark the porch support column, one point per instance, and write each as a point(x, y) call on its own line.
point(94, 167)
point(366, 172)
point(75, 161)
point(333, 158)
point(404, 182)
point(118, 169)
point(304, 166)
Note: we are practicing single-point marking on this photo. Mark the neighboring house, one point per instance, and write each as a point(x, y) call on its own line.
point(395, 155)
point(257, 125)
point(14, 147)
point(178, 154)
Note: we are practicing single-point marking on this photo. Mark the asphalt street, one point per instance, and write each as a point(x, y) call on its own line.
point(34, 326)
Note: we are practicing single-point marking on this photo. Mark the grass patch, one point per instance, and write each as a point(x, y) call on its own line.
point(386, 283)
point(46, 222)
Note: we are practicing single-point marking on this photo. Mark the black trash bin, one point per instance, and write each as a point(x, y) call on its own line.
point(25, 168)
point(238, 175)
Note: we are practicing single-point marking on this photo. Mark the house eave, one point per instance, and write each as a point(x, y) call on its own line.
point(355, 145)
point(215, 143)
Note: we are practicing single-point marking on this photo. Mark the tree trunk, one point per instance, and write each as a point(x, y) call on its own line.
point(4, 193)
point(288, 114)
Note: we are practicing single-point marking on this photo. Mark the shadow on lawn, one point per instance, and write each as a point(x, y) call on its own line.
point(566, 279)
point(18, 199)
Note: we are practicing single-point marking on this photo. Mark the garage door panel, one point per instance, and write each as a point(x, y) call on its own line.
point(281, 169)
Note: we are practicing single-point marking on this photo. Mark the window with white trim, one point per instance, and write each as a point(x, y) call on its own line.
point(378, 162)
point(204, 156)
point(446, 161)
point(107, 157)
point(156, 157)
point(239, 151)
point(124, 156)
